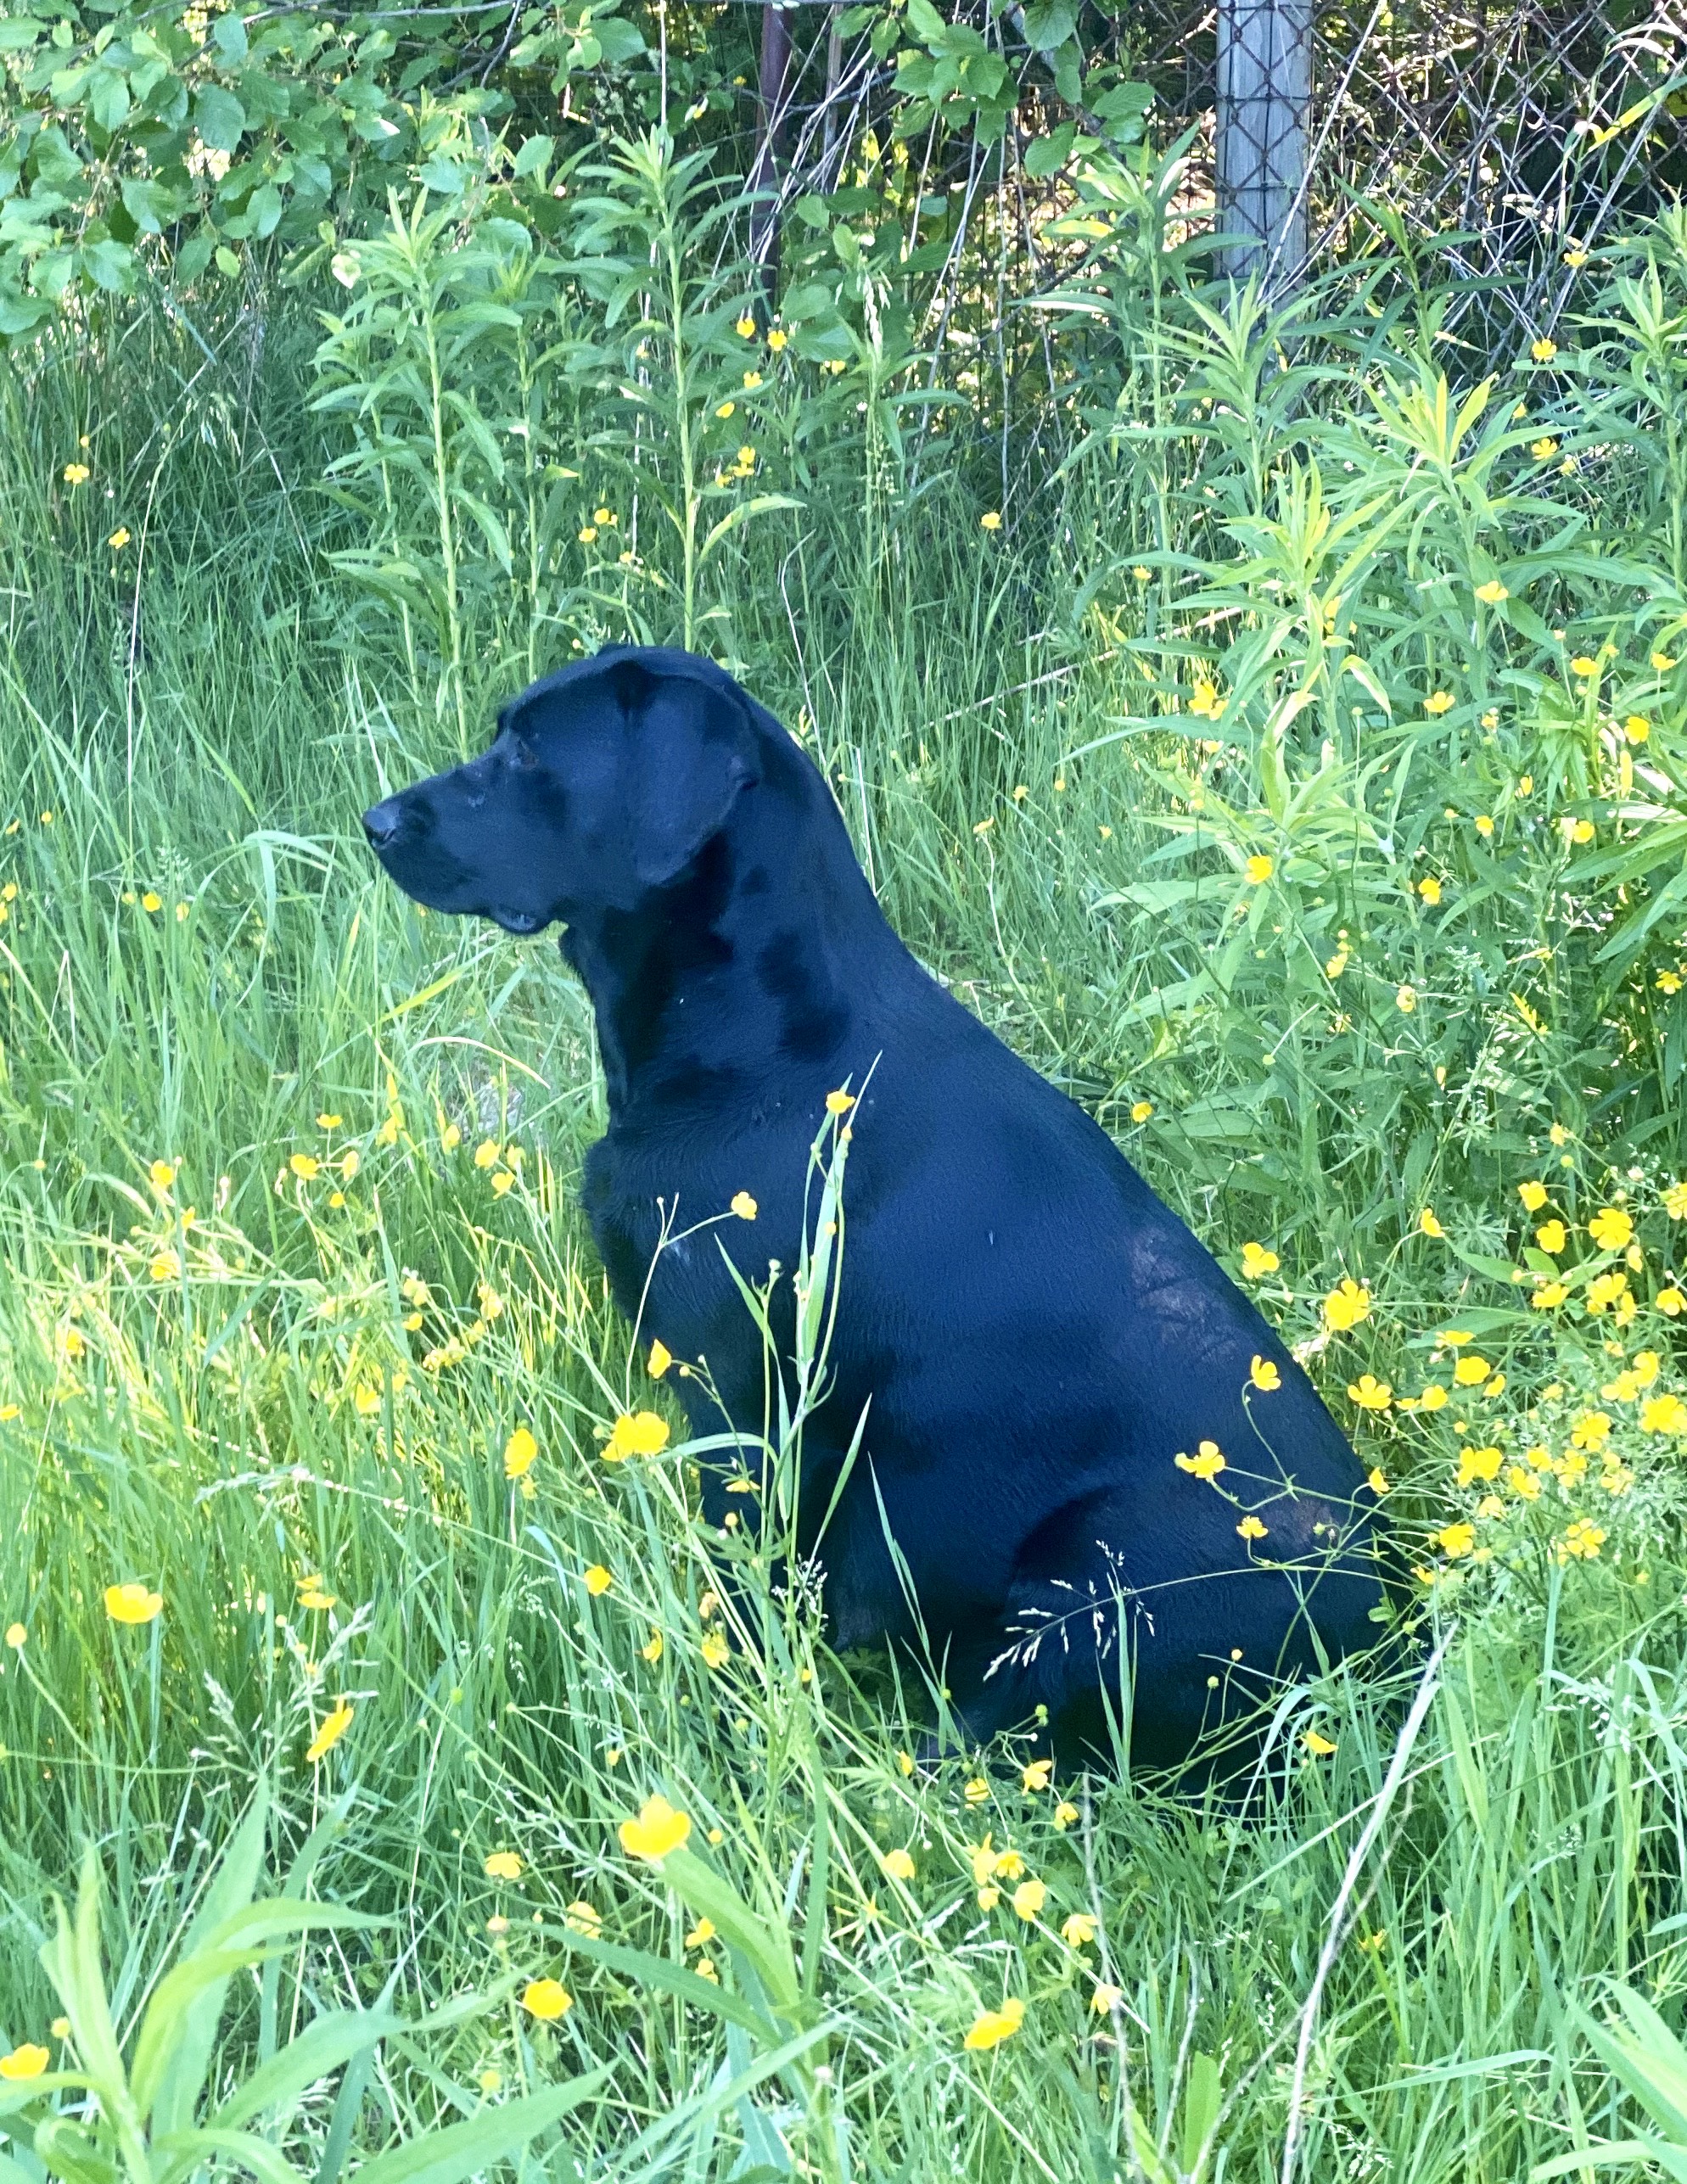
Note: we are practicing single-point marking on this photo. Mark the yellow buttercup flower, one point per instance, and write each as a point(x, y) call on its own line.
point(992, 2026)
point(1440, 701)
point(1257, 1262)
point(1346, 1305)
point(658, 1829)
point(1534, 1196)
point(1543, 350)
point(1252, 1528)
point(504, 1865)
point(1455, 1540)
point(1552, 1237)
point(1028, 1898)
point(1610, 1227)
point(1430, 889)
point(1319, 1747)
point(305, 1165)
point(75, 473)
point(1370, 1393)
point(24, 2062)
point(898, 1864)
point(714, 1649)
point(1265, 1374)
point(1077, 1929)
point(583, 1918)
point(1429, 1223)
point(1663, 1414)
point(635, 1433)
point(1141, 1109)
point(1376, 1481)
point(335, 1727)
point(745, 327)
point(1492, 593)
point(131, 1604)
point(991, 522)
point(1206, 1464)
point(546, 1999)
point(1035, 1774)
point(521, 1450)
point(743, 1205)
point(16, 1637)
point(1259, 869)
point(598, 1580)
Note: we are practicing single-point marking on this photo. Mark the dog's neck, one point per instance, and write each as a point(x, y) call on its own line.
point(761, 948)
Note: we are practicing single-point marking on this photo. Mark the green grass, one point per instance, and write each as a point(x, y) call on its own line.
point(183, 1401)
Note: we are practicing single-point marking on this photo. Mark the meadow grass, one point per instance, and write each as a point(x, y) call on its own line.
point(293, 1260)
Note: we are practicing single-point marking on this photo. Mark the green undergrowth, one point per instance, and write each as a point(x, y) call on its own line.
point(303, 1335)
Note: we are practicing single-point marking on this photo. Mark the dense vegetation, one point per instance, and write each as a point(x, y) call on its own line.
point(1273, 724)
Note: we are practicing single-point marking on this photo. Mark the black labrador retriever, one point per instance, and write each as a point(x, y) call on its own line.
point(1100, 1466)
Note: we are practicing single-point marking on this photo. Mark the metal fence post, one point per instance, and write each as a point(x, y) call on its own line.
point(1261, 127)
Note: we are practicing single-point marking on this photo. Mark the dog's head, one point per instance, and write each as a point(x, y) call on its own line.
point(604, 783)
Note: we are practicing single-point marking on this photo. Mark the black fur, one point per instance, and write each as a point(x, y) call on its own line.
point(1035, 1337)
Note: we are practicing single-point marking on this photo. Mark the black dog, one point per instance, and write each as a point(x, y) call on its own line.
point(1051, 1366)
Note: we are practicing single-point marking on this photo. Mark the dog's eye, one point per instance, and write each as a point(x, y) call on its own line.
point(521, 754)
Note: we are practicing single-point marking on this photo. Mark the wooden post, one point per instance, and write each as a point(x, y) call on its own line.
point(1262, 126)
point(771, 84)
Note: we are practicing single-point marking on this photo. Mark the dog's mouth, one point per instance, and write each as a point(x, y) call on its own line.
point(516, 921)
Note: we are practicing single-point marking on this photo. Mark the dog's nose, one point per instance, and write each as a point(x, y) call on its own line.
point(381, 822)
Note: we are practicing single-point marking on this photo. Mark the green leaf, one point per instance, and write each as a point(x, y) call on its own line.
point(179, 2031)
point(108, 99)
point(463, 2150)
point(323, 2047)
point(218, 114)
point(1049, 22)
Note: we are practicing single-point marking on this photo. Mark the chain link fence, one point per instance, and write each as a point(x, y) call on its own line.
point(1516, 134)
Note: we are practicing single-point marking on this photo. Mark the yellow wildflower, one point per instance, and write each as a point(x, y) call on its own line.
point(1429, 888)
point(1028, 1898)
point(1438, 701)
point(1034, 1776)
point(24, 2062)
point(546, 1999)
point(636, 1433)
point(598, 1580)
point(743, 1205)
point(992, 2026)
point(520, 1452)
point(131, 1604)
point(1251, 1527)
point(1265, 1374)
point(1257, 1262)
point(898, 1864)
point(1319, 1747)
point(1259, 869)
point(334, 1727)
point(1077, 1929)
point(1206, 1464)
point(1456, 1540)
point(1429, 1223)
point(1346, 1305)
point(504, 1865)
point(658, 1829)
point(1610, 1227)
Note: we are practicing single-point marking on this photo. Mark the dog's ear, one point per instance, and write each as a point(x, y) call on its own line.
point(691, 755)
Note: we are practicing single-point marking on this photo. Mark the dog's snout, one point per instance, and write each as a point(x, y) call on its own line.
point(381, 822)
